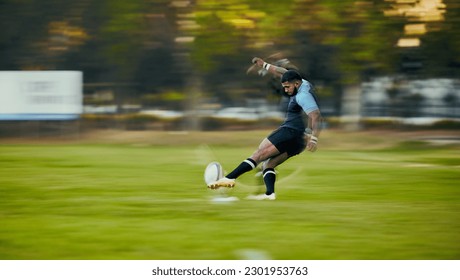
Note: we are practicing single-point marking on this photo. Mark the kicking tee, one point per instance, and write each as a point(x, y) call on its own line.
point(302, 101)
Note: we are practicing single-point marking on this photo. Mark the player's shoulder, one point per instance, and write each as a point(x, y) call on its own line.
point(304, 89)
point(306, 85)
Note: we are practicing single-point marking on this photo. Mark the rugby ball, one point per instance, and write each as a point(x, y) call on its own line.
point(213, 172)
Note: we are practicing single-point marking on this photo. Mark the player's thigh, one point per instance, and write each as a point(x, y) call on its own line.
point(266, 150)
point(276, 160)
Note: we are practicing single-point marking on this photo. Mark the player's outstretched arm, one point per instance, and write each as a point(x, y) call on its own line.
point(275, 70)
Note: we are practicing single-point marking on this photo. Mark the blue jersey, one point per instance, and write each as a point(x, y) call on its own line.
point(302, 101)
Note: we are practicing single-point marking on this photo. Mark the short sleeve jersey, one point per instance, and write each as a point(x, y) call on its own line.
point(302, 101)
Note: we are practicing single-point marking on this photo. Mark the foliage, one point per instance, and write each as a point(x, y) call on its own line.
point(171, 100)
point(162, 45)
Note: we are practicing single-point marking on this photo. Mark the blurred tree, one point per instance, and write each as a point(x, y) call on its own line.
point(121, 36)
point(161, 46)
point(36, 33)
point(440, 49)
point(220, 50)
point(336, 43)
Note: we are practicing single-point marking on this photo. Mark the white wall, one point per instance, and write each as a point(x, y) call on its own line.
point(41, 95)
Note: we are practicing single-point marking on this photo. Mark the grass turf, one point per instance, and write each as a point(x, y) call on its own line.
point(358, 199)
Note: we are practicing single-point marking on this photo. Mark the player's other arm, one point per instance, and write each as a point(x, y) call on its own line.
point(314, 127)
point(275, 70)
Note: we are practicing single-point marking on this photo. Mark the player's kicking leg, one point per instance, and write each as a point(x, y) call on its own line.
point(266, 150)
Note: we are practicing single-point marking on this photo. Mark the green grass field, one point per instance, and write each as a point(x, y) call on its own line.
point(361, 196)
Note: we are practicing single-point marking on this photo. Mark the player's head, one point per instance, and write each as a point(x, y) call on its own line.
point(291, 81)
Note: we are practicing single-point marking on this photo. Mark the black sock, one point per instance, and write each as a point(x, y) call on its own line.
point(244, 167)
point(269, 180)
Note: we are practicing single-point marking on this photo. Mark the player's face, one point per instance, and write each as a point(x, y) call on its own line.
point(290, 88)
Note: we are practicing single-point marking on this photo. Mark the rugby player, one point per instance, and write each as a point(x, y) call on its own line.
point(290, 139)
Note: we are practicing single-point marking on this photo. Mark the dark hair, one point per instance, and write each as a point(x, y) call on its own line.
point(290, 76)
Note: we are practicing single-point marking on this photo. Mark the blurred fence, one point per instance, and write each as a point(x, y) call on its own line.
point(411, 111)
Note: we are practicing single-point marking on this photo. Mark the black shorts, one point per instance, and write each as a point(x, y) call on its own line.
point(288, 140)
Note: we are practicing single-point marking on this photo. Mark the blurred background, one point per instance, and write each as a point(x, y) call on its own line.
point(181, 64)
point(141, 89)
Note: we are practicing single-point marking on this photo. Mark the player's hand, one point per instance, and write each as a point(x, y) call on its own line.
point(259, 61)
point(312, 143)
